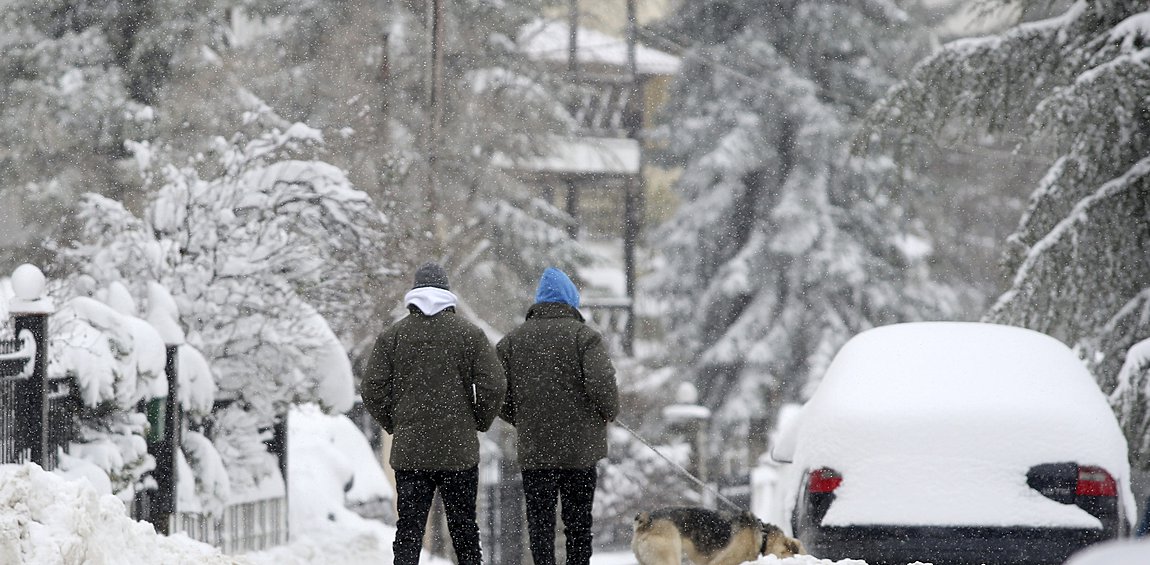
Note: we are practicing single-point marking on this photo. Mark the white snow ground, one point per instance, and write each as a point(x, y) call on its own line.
point(46, 519)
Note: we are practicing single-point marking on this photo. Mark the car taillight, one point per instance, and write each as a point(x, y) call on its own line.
point(1095, 481)
point(824, 480)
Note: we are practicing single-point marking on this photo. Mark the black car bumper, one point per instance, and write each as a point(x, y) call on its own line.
point(880, 545)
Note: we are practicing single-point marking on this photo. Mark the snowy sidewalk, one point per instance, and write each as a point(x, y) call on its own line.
point(46, 519)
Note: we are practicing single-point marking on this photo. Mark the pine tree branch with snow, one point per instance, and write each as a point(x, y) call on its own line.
point(1076, 84)
point(787, 244)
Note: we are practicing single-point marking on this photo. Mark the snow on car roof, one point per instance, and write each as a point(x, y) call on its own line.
point(937, 423)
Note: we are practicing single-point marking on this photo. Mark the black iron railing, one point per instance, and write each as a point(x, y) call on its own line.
point(242, 527)
point(12, 449)
point(63, 403)
point(37, 413)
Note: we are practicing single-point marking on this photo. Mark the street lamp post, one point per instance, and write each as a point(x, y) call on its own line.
point(30, 309)
point(688, 418)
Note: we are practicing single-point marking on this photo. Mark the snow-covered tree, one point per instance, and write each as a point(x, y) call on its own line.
point(1130, 401)
point(786, 244)
point(264, 253)
point(474, 218)
point(78, 78)
point(1077, 84)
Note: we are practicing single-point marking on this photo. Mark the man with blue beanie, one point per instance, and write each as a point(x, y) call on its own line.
point(561, 394)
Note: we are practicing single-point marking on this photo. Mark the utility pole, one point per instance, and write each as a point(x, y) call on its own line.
point(573, 39)
point(434, 114)
point(633, 190)
point(384, 77)
point(436, 530)
point(573, 81)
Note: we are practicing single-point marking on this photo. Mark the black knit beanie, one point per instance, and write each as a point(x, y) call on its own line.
point(431, 274)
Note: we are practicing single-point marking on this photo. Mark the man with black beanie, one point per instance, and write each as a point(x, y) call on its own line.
point(433, 380)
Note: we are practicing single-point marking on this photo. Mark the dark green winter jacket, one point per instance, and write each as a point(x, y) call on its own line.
point(433, 382)
point(561, 391)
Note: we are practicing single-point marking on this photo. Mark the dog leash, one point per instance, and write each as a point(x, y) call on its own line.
point(678, 467)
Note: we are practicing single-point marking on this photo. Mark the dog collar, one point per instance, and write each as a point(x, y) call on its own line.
point(763, 548)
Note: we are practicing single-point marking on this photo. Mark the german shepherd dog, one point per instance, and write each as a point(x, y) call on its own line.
point(707, 537)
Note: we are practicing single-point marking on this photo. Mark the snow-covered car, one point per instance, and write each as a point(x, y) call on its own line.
point(956, 443)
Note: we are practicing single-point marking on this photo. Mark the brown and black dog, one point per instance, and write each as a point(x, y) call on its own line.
point(707, 537)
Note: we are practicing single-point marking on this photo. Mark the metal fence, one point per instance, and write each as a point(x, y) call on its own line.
point(242, 527)
point(63, 401)
point(249, 525)
point(37, 413)
point(12, 449)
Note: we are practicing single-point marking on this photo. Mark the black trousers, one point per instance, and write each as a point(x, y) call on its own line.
point(415, 490)
point(576, 489)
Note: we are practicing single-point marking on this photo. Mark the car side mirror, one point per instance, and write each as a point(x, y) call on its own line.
point(780, 455)
point(787, 435)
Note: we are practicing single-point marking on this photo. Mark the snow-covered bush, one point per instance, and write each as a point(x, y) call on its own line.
point(204, 485)
point(117, 361)
point(329, 455)
point(263, 252)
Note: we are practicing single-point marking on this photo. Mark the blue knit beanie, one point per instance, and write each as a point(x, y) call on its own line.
point(556, 286)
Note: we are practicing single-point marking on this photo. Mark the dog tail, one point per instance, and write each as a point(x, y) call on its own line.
point(642, 521)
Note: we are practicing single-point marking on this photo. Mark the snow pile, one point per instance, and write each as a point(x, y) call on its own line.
point(938, 424)
point(331, 459)
point(330, 464)
point(354, 541)
point(1124, 552)
point(47, 520)
point(627, 558)
point(810, 560)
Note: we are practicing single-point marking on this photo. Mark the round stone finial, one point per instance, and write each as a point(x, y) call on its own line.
point(687, 394)
point(28, 282)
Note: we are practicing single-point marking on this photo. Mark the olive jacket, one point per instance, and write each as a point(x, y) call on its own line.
point(561, 391)
point(433, 382)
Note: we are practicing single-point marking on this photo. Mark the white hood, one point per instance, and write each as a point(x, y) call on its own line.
point(430, 300)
